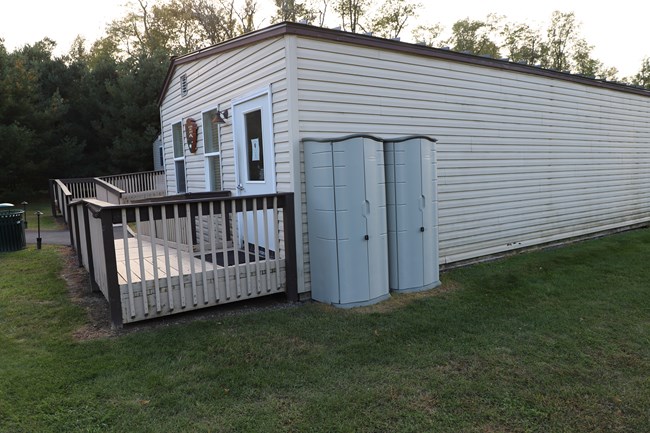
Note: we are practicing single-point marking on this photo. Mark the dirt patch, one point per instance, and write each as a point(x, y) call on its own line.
point(98, 324)
point(98, 319)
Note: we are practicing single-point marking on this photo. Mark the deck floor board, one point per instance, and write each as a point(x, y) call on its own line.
point(147, 291)
point(151, 262)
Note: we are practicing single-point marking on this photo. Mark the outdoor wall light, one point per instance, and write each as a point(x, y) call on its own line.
point(220, 116)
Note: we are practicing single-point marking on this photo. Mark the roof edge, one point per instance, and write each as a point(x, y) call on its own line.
point(240, 41)
point(290, 28)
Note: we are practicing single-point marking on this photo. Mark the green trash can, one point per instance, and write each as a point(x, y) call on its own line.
point(12, 230)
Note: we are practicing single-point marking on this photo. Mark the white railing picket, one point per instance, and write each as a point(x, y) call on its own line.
point(188, 227)
point(179, 259)
point(256, 247)
point(267, 251)
point(127, 263)
point(246, 246)
point(143, 275)
point(224, 247)
point(154, 260)
point(170, 287)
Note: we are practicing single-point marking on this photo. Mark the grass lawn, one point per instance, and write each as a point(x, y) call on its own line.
point(552, 341)
point(41, 203)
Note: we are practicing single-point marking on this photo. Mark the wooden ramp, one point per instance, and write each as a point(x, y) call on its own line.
point(156, 281)
point(160, 261)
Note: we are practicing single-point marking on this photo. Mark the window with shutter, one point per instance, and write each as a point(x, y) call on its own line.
point(212, 150)
point(179, 157)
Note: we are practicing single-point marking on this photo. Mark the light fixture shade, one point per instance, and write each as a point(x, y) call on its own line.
point(217, 118)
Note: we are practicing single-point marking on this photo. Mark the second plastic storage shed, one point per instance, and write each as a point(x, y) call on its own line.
point(346, 216)
point(411, 204)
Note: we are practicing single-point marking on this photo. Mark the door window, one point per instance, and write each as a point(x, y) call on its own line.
point(254, 145)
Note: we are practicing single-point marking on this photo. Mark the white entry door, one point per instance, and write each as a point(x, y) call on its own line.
point(253, 136)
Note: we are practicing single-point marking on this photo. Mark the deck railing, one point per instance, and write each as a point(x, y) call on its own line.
point(234, 248)
point(116, 189)
point(138, 186)
point(60, 198)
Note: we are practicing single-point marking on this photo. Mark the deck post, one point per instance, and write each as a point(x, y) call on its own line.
point(77, 245)
point(94, 287)
point(291, 272)
point(108, 239)
point(192, 216)
point(64, 209)
point(70, 223)
point(50, 188)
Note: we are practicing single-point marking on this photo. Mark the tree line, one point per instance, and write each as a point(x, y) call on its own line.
point(93, 111)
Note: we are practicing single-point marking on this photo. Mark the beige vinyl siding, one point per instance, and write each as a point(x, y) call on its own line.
point(522, 159)
point(213, 82)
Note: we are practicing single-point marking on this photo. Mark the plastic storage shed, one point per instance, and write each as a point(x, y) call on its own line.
point(411, 205)
point(346, 214)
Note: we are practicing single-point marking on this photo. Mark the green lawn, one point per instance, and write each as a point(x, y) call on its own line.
point(552, 341)
point(40, 203)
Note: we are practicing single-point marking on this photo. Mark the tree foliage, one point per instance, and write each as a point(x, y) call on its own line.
point(36, 135)
point(94, 112)
point(429, 35)
point(561, 37)
point(522, 43)
point(475, 36)
point(293, 10)
point(560, 47)
point(642, 78)
point(321, 7)
point(351, 13)
point(388, 20)
point(392, 17)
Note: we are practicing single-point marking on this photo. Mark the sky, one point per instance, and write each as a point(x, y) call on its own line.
point(618, 30)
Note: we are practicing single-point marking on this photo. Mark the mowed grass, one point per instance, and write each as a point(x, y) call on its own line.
point(41, 203)
point(551, 341)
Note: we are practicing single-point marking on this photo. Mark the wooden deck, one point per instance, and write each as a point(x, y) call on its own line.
point(150, 262)
point(170, 287)
point(163, 257)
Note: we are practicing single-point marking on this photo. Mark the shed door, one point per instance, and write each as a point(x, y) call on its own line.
point(255, 168)
point(414, 195)
point(360, 219)
point(429, 246)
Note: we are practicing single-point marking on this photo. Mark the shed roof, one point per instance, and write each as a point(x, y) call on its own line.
point(289, 28)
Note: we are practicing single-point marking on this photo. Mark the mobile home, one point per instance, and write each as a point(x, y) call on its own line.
point(525, 156)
